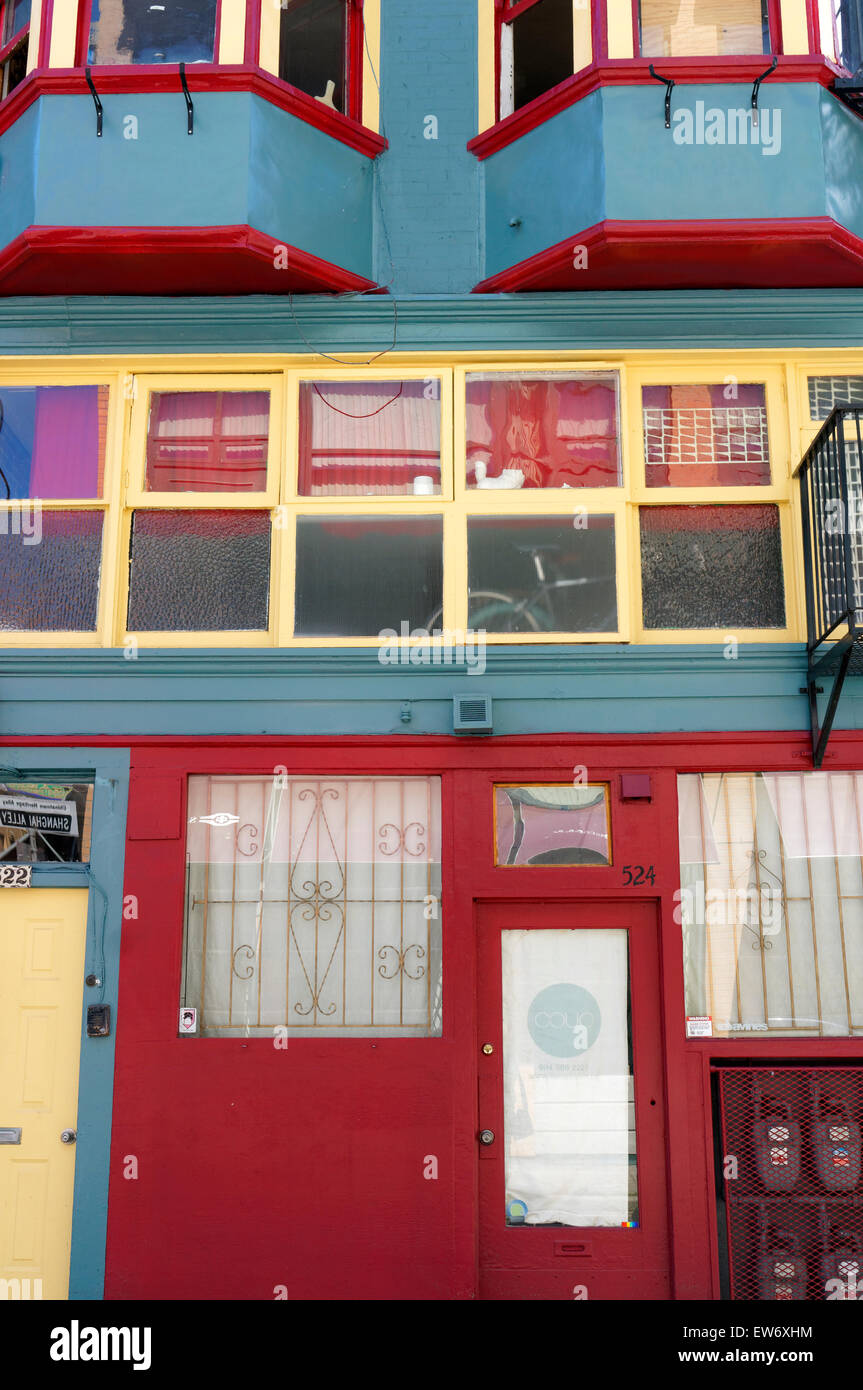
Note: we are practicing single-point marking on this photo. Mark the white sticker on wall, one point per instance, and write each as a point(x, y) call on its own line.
point(188, 1020)
point(699, 1026)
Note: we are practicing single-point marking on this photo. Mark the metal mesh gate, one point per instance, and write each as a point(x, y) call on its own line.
point(791, 1181)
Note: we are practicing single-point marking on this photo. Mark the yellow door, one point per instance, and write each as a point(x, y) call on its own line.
point(42, 940)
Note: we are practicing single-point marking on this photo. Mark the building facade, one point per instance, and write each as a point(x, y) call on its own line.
point(417, 883)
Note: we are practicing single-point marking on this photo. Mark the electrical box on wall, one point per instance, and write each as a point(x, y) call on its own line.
point(98, 1020)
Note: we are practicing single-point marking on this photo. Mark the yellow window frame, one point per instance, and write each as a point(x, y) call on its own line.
point(371, 21)
point(26, 373)
point(147, 384)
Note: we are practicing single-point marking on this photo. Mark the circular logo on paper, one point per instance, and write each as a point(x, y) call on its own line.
point(564, 1020)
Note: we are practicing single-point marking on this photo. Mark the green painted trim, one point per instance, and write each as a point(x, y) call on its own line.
point(349, 323)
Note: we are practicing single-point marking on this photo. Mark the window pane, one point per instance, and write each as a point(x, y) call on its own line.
point(208, 441)
point(542, 574)
point(825, 392)
point(551, 825)
point(695, 437)
point(542, 431)
point(367, 439)
point(313, 905)
point(569, 1129)
point(359, 578)
point(49, 570)
point(199, 571)
point(134, 31)
point(313, 48)
point(16, 17)
point(772, 901)
point(43, 822)
point(841, 23)
point(541, 48)
point(711, 567)
point(14, 70)
point(52, 441)
point(669, 29)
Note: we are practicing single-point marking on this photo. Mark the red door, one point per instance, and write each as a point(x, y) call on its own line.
point(571, 1133)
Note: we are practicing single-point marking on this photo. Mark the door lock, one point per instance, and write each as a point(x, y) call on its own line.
point(488, 1049)
point(486, 1136)
point(68, 1136)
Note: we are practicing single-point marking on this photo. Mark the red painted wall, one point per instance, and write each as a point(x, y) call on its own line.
point(303, 1167)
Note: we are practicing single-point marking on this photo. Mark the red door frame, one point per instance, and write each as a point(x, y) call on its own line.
point(587, 1262)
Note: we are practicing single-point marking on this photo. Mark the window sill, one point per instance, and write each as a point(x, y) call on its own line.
point(201, 77)
point(628, 72)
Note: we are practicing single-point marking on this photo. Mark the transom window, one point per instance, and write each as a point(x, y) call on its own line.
point(313, 907)
point(591, 502)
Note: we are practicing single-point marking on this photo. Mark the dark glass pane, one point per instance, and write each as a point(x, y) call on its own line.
point(208, 441)
point(356, 578)
point(369, 438)
point(199, 571)
point(530, 431)
point(542, 574)
point(14, 69)
point(694, 436)
point(49, 570)
point(706, 28)
point(17, 16)
point(542, 49)
point(312, 48)
point(134, 31)
point(711, 567)
point(43, 822)
point(52, 441)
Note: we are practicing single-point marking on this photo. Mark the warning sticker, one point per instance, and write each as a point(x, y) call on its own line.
point(699, 1026)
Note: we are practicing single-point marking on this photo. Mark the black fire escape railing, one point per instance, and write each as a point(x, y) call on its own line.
point(831, 497)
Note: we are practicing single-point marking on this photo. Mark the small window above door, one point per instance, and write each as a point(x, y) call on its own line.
point(552, 824)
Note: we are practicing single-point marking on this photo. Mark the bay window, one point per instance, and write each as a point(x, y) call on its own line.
point(134, 31)
point(535, 40)
point(841, 28)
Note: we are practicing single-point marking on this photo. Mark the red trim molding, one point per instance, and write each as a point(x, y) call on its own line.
point(201, 78)
point(771, 253)
point(165, 260)
point(633, 72)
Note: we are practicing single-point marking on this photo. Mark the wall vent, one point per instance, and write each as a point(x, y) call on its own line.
point(472, 714)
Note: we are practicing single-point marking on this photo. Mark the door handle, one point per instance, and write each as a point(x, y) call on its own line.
point(486, 1136)
point(10, 1136)
point(68, 1136)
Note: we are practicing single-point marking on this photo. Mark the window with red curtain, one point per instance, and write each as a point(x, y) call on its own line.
point(369, 438)
point(208, 441)
point(542, 431)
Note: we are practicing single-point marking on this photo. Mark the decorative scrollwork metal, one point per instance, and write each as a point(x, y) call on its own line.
point(401, 839)
point(251, 955)
point(401, 956)
point(253, 848)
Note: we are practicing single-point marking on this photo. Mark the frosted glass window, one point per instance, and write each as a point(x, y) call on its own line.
point(695, 436)
point(361, 577)
point(712, 567)
point(703, 28)
point(569, 1106)
point(771, 902)
point(543, 825)
point(542, 574)
point(370, 438)
point(313, 906)
point(551, 431)
point(52, 441)
point(134, 31)
point(199, 571)
point(49, 570)
point(208, 441)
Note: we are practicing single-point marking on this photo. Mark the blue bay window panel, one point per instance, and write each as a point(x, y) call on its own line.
point(52, 441)
point(49, 570)
point(705, 28)
point(712, 567)
point(134, 31)
point(542, 574)
point(361, 577)
point(205, 571)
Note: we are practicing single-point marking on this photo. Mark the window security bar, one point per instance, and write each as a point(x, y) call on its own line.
point(831, 496)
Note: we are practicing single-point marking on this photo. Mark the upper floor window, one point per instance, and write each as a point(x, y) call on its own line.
point(317, 39)
point(536, 49)
point(14, 30)
point(841, 25)
point(134, 31)
point(720, 28)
